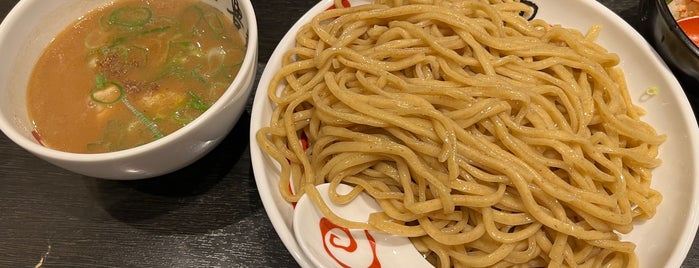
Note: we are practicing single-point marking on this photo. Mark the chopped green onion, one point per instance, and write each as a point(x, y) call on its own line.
point(192, 16)
point(197, 103)
point(109, 93)
point(118, 41)
point(100, 81)
point(178, 50)
point(227, 71)
point(196, 73)
point(172, 69)
point(156, 30)
point(214, 22)
point(652, 91)
point(131, 16)
point(152, 126)
point(187, 113)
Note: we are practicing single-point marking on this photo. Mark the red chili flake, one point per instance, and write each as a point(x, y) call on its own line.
point(304, 142)
point(345, 3)
point(37, 137)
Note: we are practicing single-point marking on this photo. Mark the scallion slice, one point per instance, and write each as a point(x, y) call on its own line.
point(131, 16)
point(152, 126)
point(106, 92)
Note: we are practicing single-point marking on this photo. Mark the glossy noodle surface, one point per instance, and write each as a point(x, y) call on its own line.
point(488, 139)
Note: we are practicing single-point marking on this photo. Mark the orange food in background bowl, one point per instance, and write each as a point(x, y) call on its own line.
point(690, 26)
point(662, 30)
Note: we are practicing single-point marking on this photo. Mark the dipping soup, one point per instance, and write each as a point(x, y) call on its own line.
point(130, 73)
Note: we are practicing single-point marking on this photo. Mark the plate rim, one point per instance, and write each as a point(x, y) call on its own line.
point(285, 233)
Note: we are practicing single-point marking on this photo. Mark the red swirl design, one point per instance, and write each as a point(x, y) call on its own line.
point(326, 226)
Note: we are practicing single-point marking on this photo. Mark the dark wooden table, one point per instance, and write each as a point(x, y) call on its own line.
point(206, 215)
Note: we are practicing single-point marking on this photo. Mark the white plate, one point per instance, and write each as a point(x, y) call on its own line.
point(661, 242)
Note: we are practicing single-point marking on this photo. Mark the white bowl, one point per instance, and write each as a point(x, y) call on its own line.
point(32, 24)
point(662, 241)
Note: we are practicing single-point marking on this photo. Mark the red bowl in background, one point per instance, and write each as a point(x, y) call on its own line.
point(664, 33)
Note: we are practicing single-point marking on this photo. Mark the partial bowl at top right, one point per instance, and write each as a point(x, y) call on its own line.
point(670, 28)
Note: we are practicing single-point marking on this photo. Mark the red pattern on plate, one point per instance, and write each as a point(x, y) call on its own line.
point(326, 226)
point(345, 3)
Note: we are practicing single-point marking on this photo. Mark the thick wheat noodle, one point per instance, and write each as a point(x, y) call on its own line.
point(488, 139)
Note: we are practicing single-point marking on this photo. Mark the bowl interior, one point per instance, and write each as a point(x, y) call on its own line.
point(31, 26)
point(666, 14)
point(690, 26)
point(662, 30)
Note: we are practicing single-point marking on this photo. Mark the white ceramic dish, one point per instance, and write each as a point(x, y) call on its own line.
point(32, 24)
point(663, 241)
point(326, 244)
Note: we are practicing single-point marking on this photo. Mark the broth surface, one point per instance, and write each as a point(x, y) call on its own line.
point(130, 73)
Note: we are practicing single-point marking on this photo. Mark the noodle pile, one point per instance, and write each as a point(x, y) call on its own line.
point(487, 138)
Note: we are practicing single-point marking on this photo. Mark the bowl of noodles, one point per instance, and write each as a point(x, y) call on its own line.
point(491, 133)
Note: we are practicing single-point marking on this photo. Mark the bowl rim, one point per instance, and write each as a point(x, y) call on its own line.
point(671, 22)
point(234, 91)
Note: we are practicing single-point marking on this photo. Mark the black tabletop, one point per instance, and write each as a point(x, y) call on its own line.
point(206, 215)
